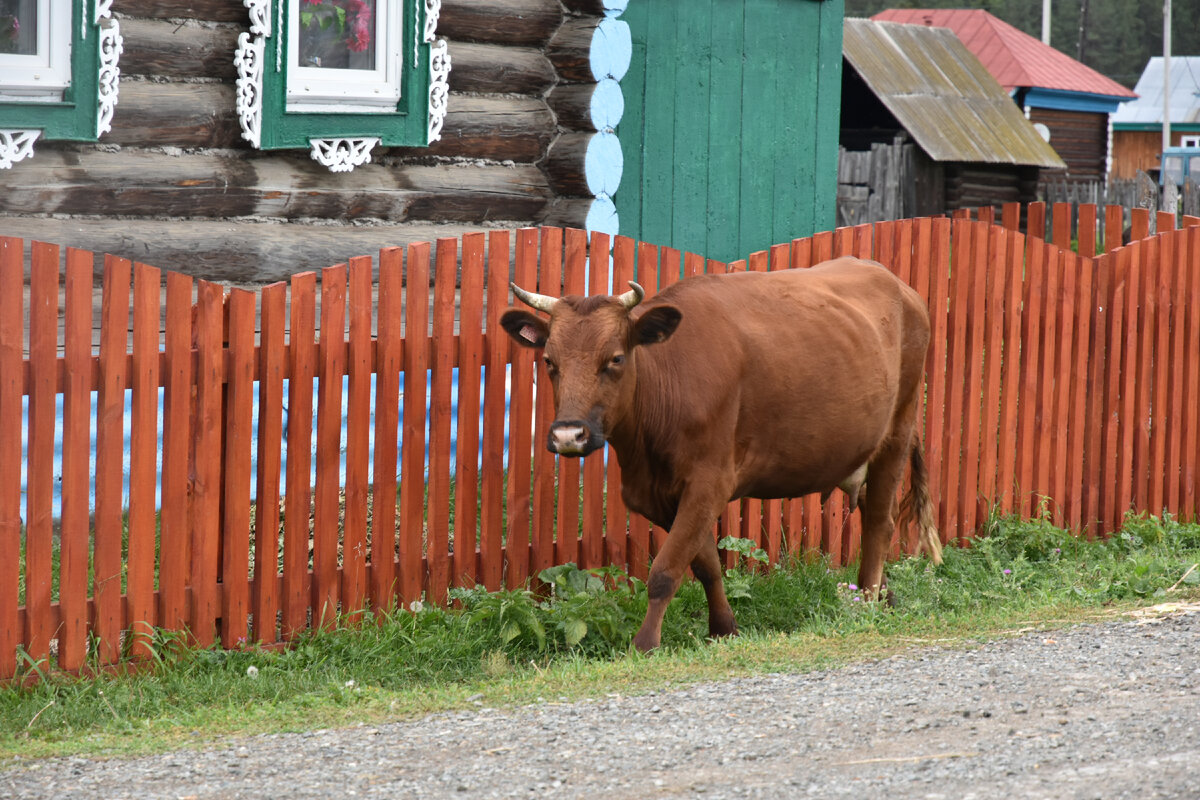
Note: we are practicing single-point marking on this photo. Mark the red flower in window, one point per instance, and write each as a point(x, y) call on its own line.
point(360, 26)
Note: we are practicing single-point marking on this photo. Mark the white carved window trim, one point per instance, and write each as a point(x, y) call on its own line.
point(43, 76)
point(266, 20)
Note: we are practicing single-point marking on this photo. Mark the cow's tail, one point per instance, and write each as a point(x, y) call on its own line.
point(918, 506)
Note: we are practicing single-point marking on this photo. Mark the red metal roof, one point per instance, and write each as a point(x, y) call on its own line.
point(1016, 59)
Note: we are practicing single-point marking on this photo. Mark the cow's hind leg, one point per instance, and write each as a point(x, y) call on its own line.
point(879, 508)
point(706, 566)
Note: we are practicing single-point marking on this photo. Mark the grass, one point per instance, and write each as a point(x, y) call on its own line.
point(511, 648)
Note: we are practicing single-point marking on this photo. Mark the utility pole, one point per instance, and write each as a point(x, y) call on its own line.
point(1046, 21)
point(1166, 126)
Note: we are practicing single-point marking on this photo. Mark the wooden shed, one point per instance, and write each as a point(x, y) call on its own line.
point(729, 132)
point(230, 153)
point(973, 146)
point(1069, 102)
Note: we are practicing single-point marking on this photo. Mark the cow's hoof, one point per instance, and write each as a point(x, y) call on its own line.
point(645, 644)
point(721, 629)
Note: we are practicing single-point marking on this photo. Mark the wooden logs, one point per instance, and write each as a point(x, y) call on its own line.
point(229, 250)
point(513, 22)
point(175, 114)
point(279, 185)
point(212, 10)
point(588, 49)
point(588, 106)
point(496, 69)
point(204, 115)
point(165, 49)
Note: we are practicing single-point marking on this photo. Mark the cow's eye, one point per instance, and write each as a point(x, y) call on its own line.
point(550, 365)
point(616, 361)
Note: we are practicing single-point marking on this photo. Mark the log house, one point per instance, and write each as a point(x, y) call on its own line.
point(175, 184)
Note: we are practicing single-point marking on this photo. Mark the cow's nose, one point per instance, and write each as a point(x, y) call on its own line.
point(568, 437)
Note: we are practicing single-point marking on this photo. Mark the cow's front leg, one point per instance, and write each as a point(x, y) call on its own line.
point(692, 527)
point(706, 566)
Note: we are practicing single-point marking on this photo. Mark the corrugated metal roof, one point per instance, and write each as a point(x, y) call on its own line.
point(943, 96)
point(1185, 93)
point(1016, 59)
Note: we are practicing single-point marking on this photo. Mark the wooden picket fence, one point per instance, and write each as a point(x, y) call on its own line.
point(1055, 379)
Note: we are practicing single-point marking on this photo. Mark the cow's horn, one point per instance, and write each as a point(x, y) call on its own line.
point(633, 296)
point(541, 302)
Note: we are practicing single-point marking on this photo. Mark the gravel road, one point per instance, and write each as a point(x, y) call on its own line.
point(1099, 711)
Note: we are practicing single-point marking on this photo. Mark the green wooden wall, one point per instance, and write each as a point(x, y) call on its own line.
point(730, 132)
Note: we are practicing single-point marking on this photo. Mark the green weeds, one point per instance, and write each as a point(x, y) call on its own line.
point(571, 639)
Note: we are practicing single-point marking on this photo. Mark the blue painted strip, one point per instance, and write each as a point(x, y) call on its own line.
point(125, 460)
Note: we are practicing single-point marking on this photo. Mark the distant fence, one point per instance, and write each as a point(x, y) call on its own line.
point(1051, 374)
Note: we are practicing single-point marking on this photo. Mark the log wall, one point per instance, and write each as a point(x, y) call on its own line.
point(175, 185)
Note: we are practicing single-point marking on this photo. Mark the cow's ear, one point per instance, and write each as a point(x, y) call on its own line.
point(526, 329)
point(657, 324)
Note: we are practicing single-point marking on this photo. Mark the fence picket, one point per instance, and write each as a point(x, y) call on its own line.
point(206, 453)
point(143, 467)
point(74, 541)
point(388, 362)
point(175, 525)
point(470, 365)
point(1132, 267)
point(1147, 324)
point(1174, 287)
point(412, 441)
point(492, 493)
point(1191, 396)
point(520, 420)
point(441, 383)
point(302, 363)
point(988, 491)
point(545, 463)
point(266, 599)
point(12, 314)
point(39, 498)
point(328, 453)
point(357, 492)
point(235, 525)
point(110, 409)
point(1010, 385)
point(1117, 263)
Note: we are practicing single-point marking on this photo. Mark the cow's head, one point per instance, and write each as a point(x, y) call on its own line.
point(589, 349)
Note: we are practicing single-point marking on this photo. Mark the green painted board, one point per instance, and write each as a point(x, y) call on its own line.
point(731, 123)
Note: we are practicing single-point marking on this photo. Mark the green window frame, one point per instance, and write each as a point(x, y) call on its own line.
point(340, 139)
point(84, 110)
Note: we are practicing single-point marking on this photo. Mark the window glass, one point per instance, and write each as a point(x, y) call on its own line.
point(18, 27)
point(337, 35)
point(344, 55)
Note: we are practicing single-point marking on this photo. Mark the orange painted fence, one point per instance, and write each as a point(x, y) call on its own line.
point(1054, 378)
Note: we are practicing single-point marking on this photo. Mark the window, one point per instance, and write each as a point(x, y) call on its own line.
point(58, 72)
point(341, 57)
point(35, 51)
point(339, 77)
point(1189, 141)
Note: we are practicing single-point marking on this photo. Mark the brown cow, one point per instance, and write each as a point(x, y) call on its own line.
point(745, 385)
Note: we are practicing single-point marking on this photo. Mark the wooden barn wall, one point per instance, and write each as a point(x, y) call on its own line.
point(1080, 138)
point(174, 184)
point(975, 185)
point(1139, 150)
